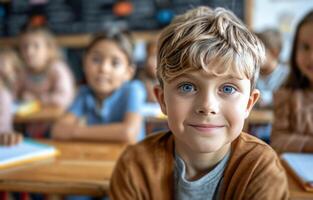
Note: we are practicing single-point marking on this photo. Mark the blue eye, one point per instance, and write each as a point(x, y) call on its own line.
point(186, 87)
point(228, 89)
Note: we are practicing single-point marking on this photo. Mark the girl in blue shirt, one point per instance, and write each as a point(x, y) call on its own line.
point(108, 108)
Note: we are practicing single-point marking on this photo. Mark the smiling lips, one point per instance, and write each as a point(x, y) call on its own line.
point(101, 80)
point(206, 127)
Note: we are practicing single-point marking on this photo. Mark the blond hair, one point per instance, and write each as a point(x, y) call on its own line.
point(195, 39)
point(54, 50)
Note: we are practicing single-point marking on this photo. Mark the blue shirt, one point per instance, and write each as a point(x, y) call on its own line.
point(128, 98)
point(271, 83)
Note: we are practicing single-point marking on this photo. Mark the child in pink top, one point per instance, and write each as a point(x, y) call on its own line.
point(47, 77)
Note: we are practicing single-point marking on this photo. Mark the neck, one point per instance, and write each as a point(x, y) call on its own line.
point(36, 73)
point(199, 164)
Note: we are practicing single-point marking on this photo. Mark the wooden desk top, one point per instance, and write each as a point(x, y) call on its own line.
point(259, 116)
point(296, 191)
point(83, 168)
point(46, 114)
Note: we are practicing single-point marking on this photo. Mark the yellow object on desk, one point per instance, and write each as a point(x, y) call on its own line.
point(28, 108)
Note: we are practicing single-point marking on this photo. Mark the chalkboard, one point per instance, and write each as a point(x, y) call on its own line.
point(89, 16)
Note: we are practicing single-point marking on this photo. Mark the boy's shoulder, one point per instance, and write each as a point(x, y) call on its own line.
point(248, 143)
point(250, 151)
point(152, 147)
point(253, 166)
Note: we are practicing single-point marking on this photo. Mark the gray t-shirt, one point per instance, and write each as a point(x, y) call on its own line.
point(204, 188)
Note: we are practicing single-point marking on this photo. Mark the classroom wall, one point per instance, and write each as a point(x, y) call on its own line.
point(281, 14)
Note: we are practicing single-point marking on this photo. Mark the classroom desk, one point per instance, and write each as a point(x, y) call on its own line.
point(46, 114)
point(82, 168)
point(296, 191)
point(261, 116)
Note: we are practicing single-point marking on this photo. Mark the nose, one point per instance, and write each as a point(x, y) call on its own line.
point(104, 67)
point(208, 104)
point(29, 50)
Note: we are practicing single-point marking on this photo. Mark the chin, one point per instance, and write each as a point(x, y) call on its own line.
point(103, 90)
point(206, 148)
point(36, 69)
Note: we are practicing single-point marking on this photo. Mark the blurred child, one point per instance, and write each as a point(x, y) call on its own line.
point(148, 75)
point(48, 78)
point(272, 73)
point(208, 64)
point(108, 108)
point(10, 66)
point(293, 103)
point(149, 78)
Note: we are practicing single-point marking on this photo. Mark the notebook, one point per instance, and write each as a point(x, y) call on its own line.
point(25, 152)
point(301, 166)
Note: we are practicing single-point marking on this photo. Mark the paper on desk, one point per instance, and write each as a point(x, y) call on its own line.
point(26, 151)
point(301, 164)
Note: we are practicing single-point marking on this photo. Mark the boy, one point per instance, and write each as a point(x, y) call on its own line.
point(208, 63)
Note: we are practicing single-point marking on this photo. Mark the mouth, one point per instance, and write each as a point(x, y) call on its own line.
point(102, 80)
point(206, 127)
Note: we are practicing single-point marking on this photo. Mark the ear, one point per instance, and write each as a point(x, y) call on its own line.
point(254, 96)
point(159, 94)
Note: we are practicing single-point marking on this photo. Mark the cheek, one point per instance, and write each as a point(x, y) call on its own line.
point(90, 74)
point(178, 109)
point(41, 57)
point(235, 112)
point(300, 59)
point(120, 75)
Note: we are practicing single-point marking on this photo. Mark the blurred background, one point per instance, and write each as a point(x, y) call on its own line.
point(73, 21)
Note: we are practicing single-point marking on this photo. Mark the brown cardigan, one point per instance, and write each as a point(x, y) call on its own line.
point(146, 171)
point(293, 124)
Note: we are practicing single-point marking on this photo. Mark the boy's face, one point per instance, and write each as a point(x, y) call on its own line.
point(106, 67)
point(206, 112)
